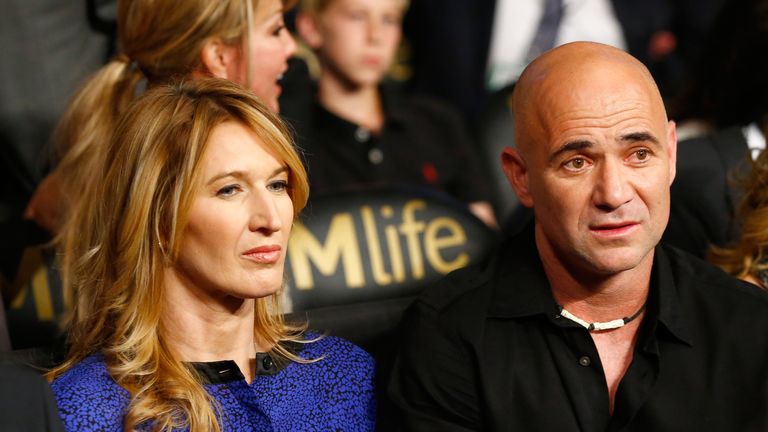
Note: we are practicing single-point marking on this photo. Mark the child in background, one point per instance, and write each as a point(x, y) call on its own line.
point(361, 131)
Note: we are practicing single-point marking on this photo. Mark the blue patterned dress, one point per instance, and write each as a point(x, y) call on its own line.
point(333, 394)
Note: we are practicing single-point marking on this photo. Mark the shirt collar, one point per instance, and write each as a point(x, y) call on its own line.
point(396, 110)
point(330, 121)
point(224, 371)
point(523, 288)
point(671, 311)
point(394, 105)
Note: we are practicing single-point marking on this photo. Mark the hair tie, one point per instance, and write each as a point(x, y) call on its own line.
point(133, 65)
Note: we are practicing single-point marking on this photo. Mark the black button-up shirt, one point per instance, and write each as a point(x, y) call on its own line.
point(422, 143)
point(487, 350)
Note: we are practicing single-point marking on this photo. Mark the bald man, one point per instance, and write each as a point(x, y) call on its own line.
point(584, 322)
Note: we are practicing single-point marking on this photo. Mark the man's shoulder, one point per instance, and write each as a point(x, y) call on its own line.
point(473, 286)
point(707, 283)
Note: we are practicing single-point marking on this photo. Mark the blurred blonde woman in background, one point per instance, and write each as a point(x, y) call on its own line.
point(244, 41)
point(747, 259)
point(176, 262)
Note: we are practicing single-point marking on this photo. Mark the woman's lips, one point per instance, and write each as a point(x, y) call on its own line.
point(269, 254)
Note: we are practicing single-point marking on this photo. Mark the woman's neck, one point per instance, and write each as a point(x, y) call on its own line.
point(202, 327)
point(358, 104)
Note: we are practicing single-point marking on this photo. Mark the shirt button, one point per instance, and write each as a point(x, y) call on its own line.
point(362, 135)
point(375, 156)
point(585, 361)
point(267, 363)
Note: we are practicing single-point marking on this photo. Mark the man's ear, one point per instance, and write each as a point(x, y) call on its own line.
point(309, 30)
point(672, 149)
point(517, 174)
point(219, 59)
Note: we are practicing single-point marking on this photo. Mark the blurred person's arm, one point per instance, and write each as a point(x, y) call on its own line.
point(46, 205)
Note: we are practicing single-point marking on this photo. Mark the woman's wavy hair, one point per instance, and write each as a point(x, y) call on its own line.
point(749, 255)
point(125, 232)
point(160, 41)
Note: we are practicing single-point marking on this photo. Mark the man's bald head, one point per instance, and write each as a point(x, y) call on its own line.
point(573, 71)
point(595, 159)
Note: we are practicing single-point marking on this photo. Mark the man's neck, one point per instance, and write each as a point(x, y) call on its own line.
point(598, 298)
point(602, 298)
point(616, 297)
point(358, 104)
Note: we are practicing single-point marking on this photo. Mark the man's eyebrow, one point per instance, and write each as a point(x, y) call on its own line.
point(639, 136)
point(570, 147)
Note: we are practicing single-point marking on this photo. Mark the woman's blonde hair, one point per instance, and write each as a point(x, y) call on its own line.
point(749, 255)
point(160, 41)
point(123, 233)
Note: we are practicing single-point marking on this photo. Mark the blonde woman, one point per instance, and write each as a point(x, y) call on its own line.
point(244, 41)
point(747, 259)
point(176, 262)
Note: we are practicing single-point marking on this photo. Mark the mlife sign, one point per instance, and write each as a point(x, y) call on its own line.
point(379, 244)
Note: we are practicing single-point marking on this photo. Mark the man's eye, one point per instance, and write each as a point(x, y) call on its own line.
point(641, 154)
point(576, 164)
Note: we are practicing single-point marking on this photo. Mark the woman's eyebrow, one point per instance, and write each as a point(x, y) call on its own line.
point(236, 174)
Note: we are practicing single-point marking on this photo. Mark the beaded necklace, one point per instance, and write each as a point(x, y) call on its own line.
point(600, 326)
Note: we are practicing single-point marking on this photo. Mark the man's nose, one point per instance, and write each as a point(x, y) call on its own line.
point(612, 187)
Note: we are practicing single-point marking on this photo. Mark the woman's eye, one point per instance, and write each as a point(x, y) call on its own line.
point(279, 29)
point(228, 191)
point(278, 186)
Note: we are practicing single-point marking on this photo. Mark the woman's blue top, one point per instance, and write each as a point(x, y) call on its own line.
point(335, 393)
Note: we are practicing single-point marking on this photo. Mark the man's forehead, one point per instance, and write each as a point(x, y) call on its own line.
point(574, 68)
point(582, 80)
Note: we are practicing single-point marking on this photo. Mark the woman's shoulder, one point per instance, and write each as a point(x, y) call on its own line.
point(336, 352)
point(335, 389)
point(330, 362)
point(88, 398)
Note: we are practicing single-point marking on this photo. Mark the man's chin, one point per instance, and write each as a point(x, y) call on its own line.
point(617, 260)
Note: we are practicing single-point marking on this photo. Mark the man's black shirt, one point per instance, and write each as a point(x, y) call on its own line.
point(487, 350)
